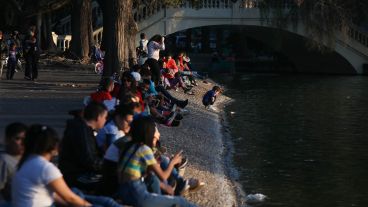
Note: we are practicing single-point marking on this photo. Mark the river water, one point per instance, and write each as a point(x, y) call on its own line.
point(300, 140)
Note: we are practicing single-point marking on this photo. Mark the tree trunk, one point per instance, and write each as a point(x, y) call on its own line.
point(38, 30)
point(131, 30)
point(119, 34)
point(47, 33)
point(81, 22)
point(105, 18)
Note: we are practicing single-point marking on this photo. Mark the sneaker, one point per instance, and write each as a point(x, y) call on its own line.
point(173, 108)
point(190, 93)
point(179, 117)
point(195, 184)
point(183, 104)
point(184, 112)
point(27, 78)
point(212, 108)
point(182, 187)
point(186, 90)
point(170, 119)
point(183, 164)
point(175, 123)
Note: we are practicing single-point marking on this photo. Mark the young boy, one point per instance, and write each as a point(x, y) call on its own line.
point(14, 149)
point(210, 97)
point(12, 61)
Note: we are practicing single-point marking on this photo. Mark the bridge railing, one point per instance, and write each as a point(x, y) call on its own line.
point(145, 11)
point(358, 35)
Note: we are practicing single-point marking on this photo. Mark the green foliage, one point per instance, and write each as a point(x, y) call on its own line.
point(324, 19)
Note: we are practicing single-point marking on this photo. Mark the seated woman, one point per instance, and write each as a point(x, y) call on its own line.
point(38, 182)
point(172, 78)
point(103, 94)
point(137, 160)
point(157, 90)
point(184, 69)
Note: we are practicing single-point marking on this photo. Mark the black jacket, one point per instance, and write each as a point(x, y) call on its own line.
point(79, 153)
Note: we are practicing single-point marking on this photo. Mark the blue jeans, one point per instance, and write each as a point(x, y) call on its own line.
point(161, 89)
point(165, 161)
point(153, 183)
point(135, 193)
point(97, 201)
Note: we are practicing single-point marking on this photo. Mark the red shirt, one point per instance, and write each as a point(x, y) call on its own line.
point(100, 96)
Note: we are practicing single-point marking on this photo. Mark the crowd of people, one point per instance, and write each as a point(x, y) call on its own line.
point(13, 48)
point(110, 153)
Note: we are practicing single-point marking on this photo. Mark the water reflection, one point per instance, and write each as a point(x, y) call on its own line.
point(301, 140)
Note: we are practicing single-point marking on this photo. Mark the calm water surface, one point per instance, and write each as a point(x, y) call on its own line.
point(301, 140)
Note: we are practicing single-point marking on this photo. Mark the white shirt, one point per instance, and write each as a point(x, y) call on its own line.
point(154, 49)
point(29, 187)
point(143, 44)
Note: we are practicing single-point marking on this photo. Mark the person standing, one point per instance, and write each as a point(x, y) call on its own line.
point(155, 44)
point(3, 50)
point(12, 61)
point(142, 49)
point(15, 39)
point(31, 56)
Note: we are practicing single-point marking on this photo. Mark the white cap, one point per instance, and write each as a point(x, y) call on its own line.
point(136, 76)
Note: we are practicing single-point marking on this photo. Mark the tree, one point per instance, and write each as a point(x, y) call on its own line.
point(323, 19)
point(20, 14)
point(81, 23)
point(119, 34)
point(120, 30)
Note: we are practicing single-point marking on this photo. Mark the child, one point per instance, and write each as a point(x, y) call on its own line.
point(210, 97)
point(12, 61)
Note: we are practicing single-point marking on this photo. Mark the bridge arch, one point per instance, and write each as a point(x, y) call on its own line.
point(170, 20)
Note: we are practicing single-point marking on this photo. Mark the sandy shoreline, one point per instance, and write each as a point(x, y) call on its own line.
point(205, 139)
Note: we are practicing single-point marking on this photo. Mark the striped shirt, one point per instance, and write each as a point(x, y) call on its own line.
point(138, 163)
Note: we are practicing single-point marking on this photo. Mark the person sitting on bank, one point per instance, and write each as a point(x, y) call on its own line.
point(80, 161)
point(117, 127)
point(103, 94)
point(37, 180)
point(137, 160)
point(14, 149)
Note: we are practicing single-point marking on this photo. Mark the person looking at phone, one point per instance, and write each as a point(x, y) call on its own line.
point(137, 160)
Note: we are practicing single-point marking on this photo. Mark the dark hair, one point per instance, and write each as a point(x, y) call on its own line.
point(143, 35)
point(105, 83)
point(13, 129)
point(142, 130)
point(123, 110)
point(12, 45)
point(39, 139)
point(146, 82)
point(145, 72)
point(177, 75)
point(157, 38)
point(133, 85)
point(216, 88)
point(136, 68)
point(93, 110)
